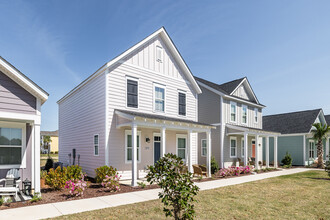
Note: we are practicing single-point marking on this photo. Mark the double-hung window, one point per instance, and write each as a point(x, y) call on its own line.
point(96, 145)
point(12, 145)
point(129, 146)
point(244, 114)
point(204, 147)
point(255, 115)
point(311, 149)
point(132, 93)
point(182, 103)
point(181, 142)
point(233, 147)
point(233, 110)
point(159, 98)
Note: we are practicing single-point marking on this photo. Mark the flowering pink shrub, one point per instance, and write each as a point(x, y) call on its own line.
point(76, 186)
point(111, 182)
point(233, 171)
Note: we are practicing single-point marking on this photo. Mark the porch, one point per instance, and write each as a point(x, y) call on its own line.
point(246, 144)
point(156, 135)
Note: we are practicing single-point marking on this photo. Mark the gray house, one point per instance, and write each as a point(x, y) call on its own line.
point(20, 118)
point(296, 137)
point(237, 114)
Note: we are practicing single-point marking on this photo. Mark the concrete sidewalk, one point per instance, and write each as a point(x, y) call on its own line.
point(70, 207)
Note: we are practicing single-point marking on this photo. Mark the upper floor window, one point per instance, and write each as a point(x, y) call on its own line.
point(182, 103)
point(233, 110)
point(132, 93)
point(96, 145)
point(256, 115)
point(159, 98)
point(244, 114)
point(159, 54)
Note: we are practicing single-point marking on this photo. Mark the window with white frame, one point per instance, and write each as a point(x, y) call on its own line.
point(129, 146)
point(181, 142)
point(255, 115)
point(11, 145)
point(96, 145)
point(244, 114)
point(233, 147)
point(132, 93)
point(159, 54)
point(233, 110)
point(242, 147)
point(159, 98)
point(182, 103)
point(311, 149)
point(204, 147)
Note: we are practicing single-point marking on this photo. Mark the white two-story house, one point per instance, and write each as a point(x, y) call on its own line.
point(133, 110)
point(237, 114)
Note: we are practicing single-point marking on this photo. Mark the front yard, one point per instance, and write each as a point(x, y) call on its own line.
point(299, 196)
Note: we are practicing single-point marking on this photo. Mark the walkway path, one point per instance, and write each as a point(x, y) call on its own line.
point(70, 207)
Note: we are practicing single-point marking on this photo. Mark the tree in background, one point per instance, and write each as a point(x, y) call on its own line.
point(47, 140)
point(319, 134)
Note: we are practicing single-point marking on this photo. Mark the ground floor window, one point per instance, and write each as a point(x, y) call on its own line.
point(233, 147)
point(181, 143)
point(311, 149)
point(129, 146)
point(96, 145)
point(204, 147)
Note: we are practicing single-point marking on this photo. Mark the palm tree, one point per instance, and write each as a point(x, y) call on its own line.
point(47, 141)
point(319, 133)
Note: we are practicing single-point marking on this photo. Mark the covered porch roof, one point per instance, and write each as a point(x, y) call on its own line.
point(241, 130)
point(158, 121)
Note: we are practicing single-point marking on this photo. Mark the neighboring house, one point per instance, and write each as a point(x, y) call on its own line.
point(133, 110)
point(53, 145)
point(20, 118)
point(237, 114)
point(296, 137)
point(327, 147)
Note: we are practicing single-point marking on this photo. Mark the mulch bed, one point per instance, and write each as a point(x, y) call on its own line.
point(94, 190)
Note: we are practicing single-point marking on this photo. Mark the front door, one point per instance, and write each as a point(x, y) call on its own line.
point(156, 148)
point(254, 149)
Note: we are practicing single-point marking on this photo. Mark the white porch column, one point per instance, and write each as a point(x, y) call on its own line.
point(245, 149)
point(189, 146)
point(163, 142)
point(257, 152)
point(267, 151)
point(275, 151)
point(36, 158)
point(208, 153)
point(327, 149)
point(134, 155)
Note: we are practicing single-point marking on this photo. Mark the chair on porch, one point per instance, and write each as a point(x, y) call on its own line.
point(200, 170)
point(11, 183)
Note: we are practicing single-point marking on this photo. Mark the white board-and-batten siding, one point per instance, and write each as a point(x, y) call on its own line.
point(81, 116)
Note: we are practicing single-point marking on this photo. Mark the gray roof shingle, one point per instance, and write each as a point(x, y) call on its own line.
point(327, 119)
point(291, 123)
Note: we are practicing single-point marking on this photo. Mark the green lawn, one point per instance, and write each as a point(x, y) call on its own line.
point(299, 196)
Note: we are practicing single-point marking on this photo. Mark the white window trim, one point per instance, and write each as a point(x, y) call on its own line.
point(138, 92)
point(245, 106)
point(233, 103)
point(309, 149)
point(23, 154)
point(98, 145)
point(185, 137)
point(254, 115)
point(233, 138)
point(154, 97)
point(202, 147)
point(161, 54)
point(183, 92)
point(129, 132)
point(242, 147)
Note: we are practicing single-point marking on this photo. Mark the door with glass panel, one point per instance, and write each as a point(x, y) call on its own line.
point(156, 148)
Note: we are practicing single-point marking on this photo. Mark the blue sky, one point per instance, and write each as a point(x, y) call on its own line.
point(283, 47)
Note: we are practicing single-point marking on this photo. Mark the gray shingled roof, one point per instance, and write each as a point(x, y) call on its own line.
point(291, 123)
point(160, 117)
point(229, 87)
point(327, 119)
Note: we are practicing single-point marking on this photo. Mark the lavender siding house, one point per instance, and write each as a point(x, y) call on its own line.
point(132, 111)
point(20, 118)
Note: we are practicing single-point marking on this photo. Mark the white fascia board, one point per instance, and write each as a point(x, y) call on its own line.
point(321, 111)
point(23, 81)
point(250, 88)
point(295, 134)
point(238, 86)
point(20, 117)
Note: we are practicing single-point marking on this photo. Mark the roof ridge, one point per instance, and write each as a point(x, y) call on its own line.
point(319, 109)
point(240, 79)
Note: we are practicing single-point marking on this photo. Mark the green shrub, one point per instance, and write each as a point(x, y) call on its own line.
point(56, 178)
point(49, 164)
point(103, 171)
point(178, 189)
point(2, 201)
point(142, 185)
point(36, 198)
point(214, 165)
point(287, 160)
point(327, 167)
point(73, 172)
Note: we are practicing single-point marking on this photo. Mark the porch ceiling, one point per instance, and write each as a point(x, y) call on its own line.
point(240, 130)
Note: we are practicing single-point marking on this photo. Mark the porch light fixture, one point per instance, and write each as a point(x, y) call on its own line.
point(147, 140)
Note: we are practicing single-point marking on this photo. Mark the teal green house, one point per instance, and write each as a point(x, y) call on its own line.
point(296, 137)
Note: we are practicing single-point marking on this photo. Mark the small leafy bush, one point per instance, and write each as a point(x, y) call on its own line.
point(178, 189)
point(214, 165)
point(36, 198)
point(111, 182)
point(2, 201)
point(49, 164)
point(287, 160)
point(56, 178)
point(77, 186)
point(104, 171)
point(142, 185)
point(327, 167)
point(43, 174)
point(73, 172)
